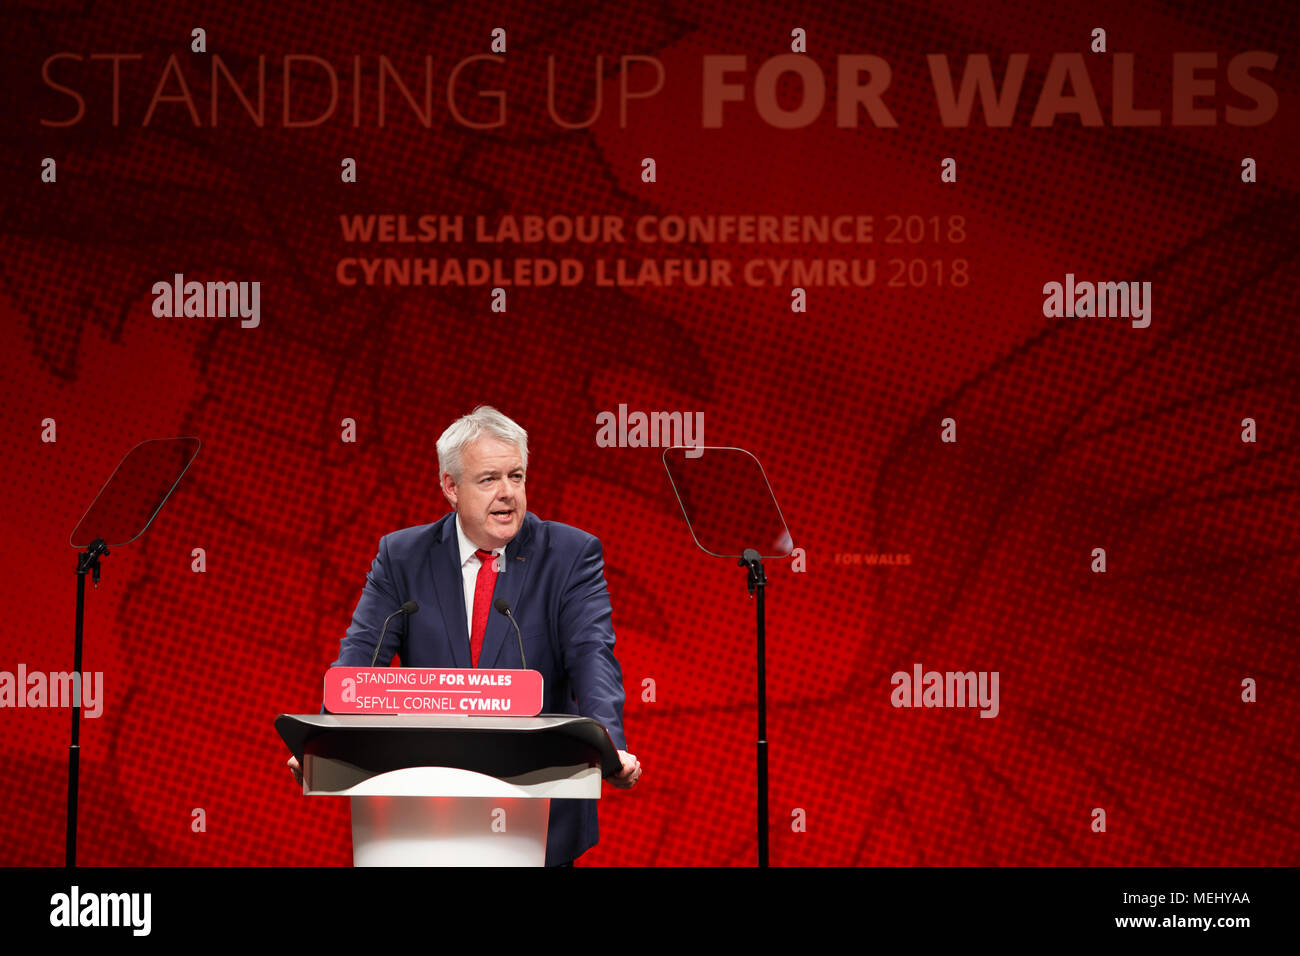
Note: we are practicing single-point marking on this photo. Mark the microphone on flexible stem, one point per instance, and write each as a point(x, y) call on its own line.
point(504, 607)
point(410, 607)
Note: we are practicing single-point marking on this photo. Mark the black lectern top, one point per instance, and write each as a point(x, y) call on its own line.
point(497, 746)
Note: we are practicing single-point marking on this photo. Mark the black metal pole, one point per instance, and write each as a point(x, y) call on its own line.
point(74, 748)
point(87, 563)
point(757, 584)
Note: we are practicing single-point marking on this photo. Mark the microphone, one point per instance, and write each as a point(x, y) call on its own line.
point(410, 607)
point(502, 605)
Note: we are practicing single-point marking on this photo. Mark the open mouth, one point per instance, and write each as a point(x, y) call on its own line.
point(503, 515)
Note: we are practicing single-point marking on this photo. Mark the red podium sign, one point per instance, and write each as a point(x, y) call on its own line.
point(433, 690)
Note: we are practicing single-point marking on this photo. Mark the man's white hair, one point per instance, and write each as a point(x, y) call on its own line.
point(484, 420)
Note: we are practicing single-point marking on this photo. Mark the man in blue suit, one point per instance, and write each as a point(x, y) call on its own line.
point(489, 547)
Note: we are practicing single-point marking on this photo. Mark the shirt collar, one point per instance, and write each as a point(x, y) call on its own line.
point(468, 547)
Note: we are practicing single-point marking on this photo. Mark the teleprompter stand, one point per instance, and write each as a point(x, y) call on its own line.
point(120, 513)
point(732, 513)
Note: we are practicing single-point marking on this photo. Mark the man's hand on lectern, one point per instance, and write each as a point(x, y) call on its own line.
point(631, 772)
point(295, 770)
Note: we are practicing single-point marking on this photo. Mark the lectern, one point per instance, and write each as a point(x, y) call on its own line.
point(449, 791)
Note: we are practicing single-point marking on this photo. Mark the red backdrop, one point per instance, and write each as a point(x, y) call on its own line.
point(1120, 691)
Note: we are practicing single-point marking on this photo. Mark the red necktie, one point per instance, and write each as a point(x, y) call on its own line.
point(483, 587)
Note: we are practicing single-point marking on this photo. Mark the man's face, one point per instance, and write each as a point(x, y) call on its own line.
point(489, 496)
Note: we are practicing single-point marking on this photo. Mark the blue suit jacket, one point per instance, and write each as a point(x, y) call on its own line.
point(554, 580)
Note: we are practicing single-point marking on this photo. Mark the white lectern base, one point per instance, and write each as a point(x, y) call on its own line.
point(449, 831)
point(477, 821)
